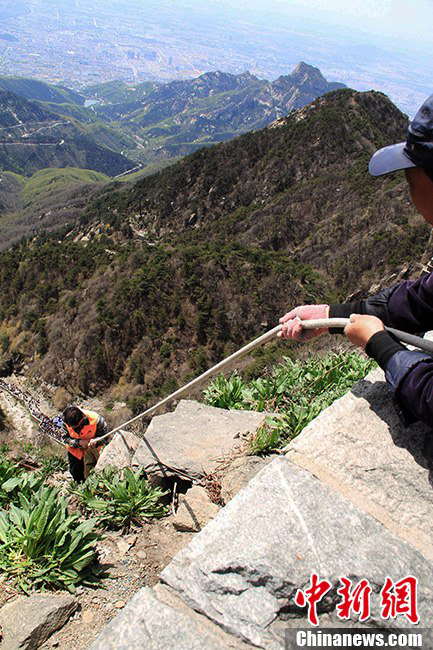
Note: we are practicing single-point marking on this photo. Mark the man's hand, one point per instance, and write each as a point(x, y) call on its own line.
point(361, 328)
point(292, 329)
point(93, 442)
point(84, 444)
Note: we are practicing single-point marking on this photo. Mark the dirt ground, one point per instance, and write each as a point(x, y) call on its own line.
point(132, 561)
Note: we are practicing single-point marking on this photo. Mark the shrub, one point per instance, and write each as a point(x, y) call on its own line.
point(8, 471)
point(42, 546)
point(52, 464)
point(120, 497)
point(266, 439)
point(4, 343)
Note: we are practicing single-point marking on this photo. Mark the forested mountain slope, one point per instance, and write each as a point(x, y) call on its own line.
point(34, 89)
point(162, 279)
point(150, 123)
point(33, 138)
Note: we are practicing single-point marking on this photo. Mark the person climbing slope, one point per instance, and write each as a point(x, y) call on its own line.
point(407, 306)
point(83, 428)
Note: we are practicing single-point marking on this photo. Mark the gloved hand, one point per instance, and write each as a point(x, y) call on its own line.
point(292, 329)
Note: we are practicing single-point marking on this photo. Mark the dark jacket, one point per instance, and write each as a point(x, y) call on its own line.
point(406, 306)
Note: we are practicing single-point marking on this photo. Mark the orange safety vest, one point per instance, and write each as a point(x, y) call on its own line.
point(87, 433)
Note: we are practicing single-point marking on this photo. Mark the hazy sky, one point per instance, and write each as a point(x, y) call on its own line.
point(408, 19)
point(379, 44)
point(389, 19)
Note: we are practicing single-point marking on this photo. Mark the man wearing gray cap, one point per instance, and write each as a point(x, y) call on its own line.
point(406, 306)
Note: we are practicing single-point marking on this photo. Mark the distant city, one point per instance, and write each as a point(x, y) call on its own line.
point(80, 43)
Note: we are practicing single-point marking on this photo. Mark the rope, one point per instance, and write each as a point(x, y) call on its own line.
point(416, 341)
point(46, 425)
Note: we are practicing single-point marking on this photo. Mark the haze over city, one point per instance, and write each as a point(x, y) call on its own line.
point(381, 45)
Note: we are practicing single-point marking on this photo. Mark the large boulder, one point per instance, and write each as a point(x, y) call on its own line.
point(239, 473)
point(119, 451)
point(243, 570)
point(360, 447)
point(149, 622)
point(29, 622)
point(190, 441)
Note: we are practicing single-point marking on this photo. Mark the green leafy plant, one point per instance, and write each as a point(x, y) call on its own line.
point(226, 393)
point(28, 448)
point(42, 546)
point(267, 437)
point(296, 390)
point(21, 484)
point(8, 471)
point(120, 497)
point(52, 464)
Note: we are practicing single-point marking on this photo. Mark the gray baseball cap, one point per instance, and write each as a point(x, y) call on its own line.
point(417, 151)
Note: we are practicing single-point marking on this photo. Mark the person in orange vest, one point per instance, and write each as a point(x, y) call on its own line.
point(83, 428)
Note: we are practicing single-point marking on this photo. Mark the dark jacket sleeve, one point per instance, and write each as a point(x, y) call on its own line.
point(409, 373)
point(407, 306)
point(414, 391)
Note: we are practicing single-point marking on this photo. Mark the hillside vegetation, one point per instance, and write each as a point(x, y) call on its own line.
point(163, 279)
point(47, 182)
point(45, 546)
point(49, 199)
point(34, 89)
point(296, 392)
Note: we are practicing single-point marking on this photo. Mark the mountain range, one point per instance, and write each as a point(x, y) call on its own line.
point(160, 279)
point(152, 124)
point(173, 119)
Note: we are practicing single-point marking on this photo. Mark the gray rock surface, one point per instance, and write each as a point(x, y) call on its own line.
point(240, 471)
point(194, 511)
point(359, 447)
point(149, 623)
point(119, 451)
point(245, 567)
point(27, 622)
point(192, 439)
